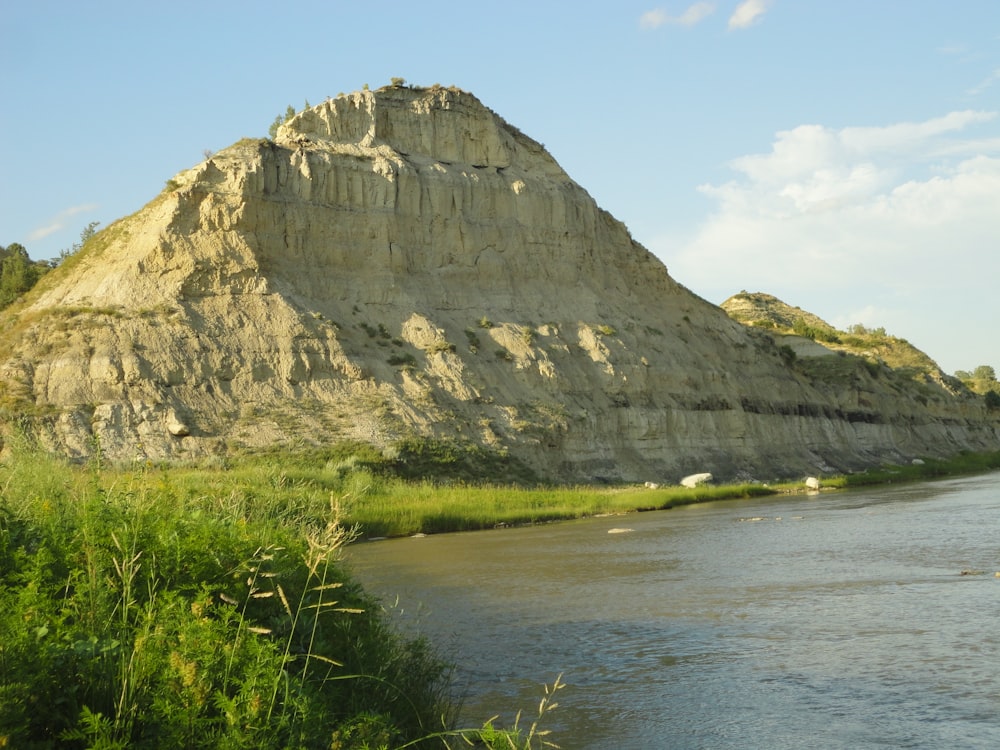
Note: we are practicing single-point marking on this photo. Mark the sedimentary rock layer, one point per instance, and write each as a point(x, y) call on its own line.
point(403, 262)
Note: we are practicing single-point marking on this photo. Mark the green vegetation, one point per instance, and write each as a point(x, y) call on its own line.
point(405, 360)
point(815, 332)
point(441, 345)
point(280, 120)
point(139, 615)
point(392, 508)
point(473, 340)
point(982, 380)
point(206, 606)
point(203, 608)
point(930, 468)
point(767, 313)
point(18, 273)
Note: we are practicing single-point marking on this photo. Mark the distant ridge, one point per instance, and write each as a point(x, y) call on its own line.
point(767, 312)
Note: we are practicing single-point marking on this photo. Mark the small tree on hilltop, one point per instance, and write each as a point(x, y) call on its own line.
point(984, 373)
point(88, 231)
point(281, 120)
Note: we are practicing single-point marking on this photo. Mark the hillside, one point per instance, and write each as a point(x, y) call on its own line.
point(792, 325)
point(404, 264)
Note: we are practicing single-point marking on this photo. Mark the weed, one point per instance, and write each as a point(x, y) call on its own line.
point(405, 360)
point(441, 346)
point(473, 340)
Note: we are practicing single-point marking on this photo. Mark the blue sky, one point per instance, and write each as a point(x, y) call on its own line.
point(844, 156)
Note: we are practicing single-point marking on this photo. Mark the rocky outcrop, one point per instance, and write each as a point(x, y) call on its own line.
point(403, 262)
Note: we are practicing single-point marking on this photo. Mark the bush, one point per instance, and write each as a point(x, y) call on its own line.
point(473, 340)
point(136, 617)
point(405, 360)
point(787, 353)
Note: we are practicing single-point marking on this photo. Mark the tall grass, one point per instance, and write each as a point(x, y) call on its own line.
point(204, 608)
point(135, 615)
point(396, 508)
point(929, 468)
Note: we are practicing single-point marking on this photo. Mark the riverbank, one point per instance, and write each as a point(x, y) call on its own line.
point(200, 608)
point(390, 509)
point(800, 614)
point(206, 602)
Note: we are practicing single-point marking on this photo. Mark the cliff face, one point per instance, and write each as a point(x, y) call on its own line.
point(403, 262)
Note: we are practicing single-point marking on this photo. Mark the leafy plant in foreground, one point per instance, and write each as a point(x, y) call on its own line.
point(137, 618)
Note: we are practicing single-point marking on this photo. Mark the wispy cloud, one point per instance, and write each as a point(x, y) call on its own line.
point(748, 13)
point(693, 14)
point(953, 49)
point(58, 222)
point(990, 80)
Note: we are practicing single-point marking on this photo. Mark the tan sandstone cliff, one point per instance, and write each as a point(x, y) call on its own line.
point(403, 262)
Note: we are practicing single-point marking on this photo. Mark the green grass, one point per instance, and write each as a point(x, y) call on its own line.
point(206, 606)
point(394, 508)
point(962, 464)
point(200, 608)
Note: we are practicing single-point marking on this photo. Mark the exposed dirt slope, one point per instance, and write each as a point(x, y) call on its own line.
point(403, 262)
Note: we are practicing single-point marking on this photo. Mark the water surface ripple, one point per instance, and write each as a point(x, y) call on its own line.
point(841, 620)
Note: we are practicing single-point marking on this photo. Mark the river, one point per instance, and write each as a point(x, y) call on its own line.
point(853, 619)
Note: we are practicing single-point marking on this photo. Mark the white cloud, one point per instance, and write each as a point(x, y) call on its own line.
point(653, 19)
point(900, 219)
point(692, 15)
point(58, 222)
point(987, 83)
point(747, 13)
point(953, 49)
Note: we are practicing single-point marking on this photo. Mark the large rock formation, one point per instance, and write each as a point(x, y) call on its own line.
point(403, 262)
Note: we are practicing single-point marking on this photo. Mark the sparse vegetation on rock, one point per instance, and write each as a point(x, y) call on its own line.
point(408, 213)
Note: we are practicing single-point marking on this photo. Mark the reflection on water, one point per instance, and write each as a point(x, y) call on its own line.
point(838, 620)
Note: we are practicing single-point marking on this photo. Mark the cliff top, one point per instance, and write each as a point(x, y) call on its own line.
point(442, 124)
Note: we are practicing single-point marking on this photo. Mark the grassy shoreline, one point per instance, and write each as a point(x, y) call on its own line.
point(202, 608)
point(208, 604)
point(427, 508)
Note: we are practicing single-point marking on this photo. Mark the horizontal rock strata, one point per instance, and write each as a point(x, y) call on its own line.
point(403, 262)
